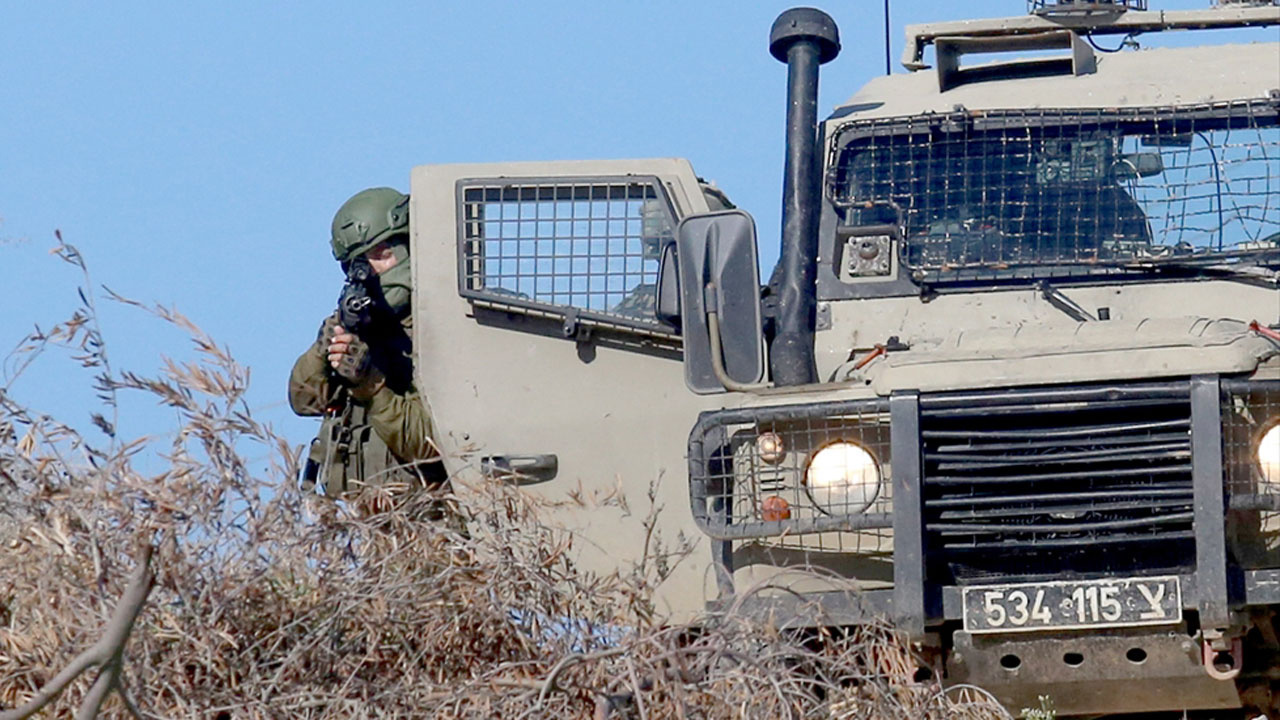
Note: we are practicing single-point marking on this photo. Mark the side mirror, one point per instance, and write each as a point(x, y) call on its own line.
point(719, 281)
point(667, 305)
point(1139, 164)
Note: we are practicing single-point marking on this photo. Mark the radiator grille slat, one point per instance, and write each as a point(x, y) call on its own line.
point(1106, 456)
point(1009, 500)
point(973, 528)
point(1048, 407)
point(1020, 485)
point(1115, 429)
point(1183, 469)
point(1067, 543)
point(1055, 443)
point(1076, 508)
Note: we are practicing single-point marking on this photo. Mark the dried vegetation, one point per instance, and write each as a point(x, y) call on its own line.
point(186, 576)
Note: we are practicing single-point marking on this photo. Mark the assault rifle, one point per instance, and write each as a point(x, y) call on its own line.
point(363, 311)
point(356, 303)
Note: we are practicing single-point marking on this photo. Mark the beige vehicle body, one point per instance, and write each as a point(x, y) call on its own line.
point(543, 361)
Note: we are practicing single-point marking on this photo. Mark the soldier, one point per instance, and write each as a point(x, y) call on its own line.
point(376, 429)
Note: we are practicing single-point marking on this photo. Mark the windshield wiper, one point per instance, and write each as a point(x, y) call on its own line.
point(1261, 270)
point(1059, 300)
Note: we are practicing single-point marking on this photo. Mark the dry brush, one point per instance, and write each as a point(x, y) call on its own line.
point(186, 576)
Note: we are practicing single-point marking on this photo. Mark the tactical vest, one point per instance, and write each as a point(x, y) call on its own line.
point(348, 455)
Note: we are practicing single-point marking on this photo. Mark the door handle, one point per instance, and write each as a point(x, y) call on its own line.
point(521, 469)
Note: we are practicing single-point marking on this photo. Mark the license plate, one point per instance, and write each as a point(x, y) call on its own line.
point(1066, 605)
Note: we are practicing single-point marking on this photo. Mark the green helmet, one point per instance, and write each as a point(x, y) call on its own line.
point(368, 218)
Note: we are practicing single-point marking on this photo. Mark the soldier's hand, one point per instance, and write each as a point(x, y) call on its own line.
point(339, 343)
point(348, 355)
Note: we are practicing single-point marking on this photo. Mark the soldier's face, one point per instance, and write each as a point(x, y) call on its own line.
point(381, 258)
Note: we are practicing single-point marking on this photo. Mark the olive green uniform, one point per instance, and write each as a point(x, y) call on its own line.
point(373, 434)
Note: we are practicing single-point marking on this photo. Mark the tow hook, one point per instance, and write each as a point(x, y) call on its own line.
point(1222, 664)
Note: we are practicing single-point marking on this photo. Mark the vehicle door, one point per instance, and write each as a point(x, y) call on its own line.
point(540, 355)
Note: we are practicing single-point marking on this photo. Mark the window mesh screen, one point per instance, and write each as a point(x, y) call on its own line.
point(1004, 189)
point(593, 246)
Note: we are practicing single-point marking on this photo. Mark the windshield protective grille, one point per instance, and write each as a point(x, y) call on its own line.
point(999, 190)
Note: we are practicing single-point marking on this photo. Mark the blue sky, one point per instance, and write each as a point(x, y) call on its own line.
point(195, 153)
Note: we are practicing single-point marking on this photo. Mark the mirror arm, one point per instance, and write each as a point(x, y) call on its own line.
point(717, 358)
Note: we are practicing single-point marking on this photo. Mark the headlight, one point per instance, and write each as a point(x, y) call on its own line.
point(1269, 455)
point(842, 478)
point(770, 448)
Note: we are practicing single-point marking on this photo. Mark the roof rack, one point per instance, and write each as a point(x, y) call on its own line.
point(1225, 15)
point(1083, 7)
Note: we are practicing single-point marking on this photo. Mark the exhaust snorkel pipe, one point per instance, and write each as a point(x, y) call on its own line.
point(803, 38)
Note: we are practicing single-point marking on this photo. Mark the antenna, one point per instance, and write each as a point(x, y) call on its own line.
point(887, 70)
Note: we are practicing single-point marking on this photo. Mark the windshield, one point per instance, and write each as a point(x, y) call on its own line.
point(1003, 190)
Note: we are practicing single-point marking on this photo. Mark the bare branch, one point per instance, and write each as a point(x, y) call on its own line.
point(105, 654)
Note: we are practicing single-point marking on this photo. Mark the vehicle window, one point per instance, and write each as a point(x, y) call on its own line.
point(588, 245)
point(1019, 188)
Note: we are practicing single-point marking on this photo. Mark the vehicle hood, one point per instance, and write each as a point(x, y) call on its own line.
point(1032, 354)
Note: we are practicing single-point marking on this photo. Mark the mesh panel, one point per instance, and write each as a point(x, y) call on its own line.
point(1003, 189)
point(1252, 457)
point(781, 473)
point(592, 246)
point(1251, 410)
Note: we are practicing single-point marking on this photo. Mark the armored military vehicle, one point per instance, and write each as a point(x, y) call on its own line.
point(1015, 380)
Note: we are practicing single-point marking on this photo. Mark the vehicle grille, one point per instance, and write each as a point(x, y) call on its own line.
point(1058, 481)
